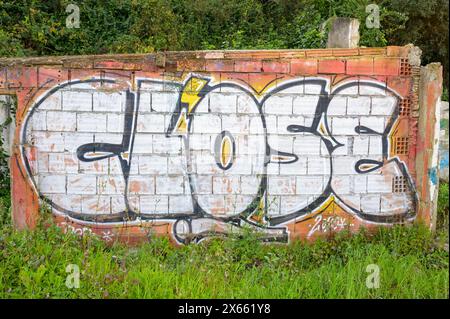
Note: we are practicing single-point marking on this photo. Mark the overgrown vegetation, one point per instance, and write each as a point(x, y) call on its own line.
point(442, 213)
point(412, 265)
point(33, 27)
point(8, 104)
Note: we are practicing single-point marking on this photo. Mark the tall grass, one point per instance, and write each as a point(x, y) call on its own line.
point(411, 264)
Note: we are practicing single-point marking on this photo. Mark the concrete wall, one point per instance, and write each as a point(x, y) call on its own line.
point(295, 144)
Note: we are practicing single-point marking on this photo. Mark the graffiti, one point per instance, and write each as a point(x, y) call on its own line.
point(216, 157)
point(81, 231)
point(107, 235)
point(328, 224)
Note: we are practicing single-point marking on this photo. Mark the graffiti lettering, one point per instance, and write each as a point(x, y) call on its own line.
point(328, 224)
point(216, 157)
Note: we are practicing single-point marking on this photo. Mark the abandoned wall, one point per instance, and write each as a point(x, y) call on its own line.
point(293, 143)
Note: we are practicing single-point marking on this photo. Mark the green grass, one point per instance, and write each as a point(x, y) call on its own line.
point(442, 213)
point(412, 265)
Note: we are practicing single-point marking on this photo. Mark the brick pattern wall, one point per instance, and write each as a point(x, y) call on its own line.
point(296, 143)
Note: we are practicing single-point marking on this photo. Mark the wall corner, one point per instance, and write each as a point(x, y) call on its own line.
point(427, 168)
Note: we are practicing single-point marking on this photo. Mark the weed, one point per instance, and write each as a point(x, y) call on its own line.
point(33, 265)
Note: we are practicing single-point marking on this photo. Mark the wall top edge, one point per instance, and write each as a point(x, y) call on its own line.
point(389, 51)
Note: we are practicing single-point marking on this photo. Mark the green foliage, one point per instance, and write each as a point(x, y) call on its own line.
point(427, 27)
point(38, 28)
point(10, 46)
point(444, 96)
point(8, 104)
point(32, 27)
point(33, 265)
point(5, 217)
point(442, 213)
point(307, 31)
